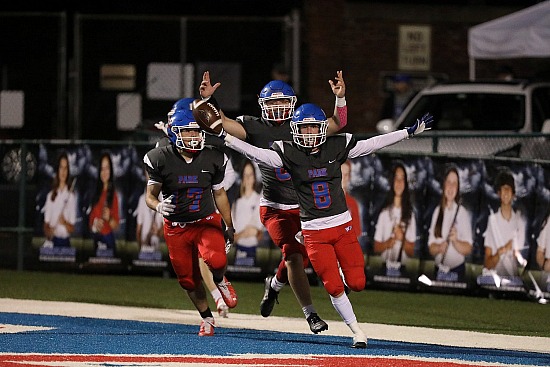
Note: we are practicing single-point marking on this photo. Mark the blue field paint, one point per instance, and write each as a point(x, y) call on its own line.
point(91, 336)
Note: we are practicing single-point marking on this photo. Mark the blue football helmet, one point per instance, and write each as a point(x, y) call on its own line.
point(183, 120)
point(180, 104)
point(277, 100)
point(309, 126)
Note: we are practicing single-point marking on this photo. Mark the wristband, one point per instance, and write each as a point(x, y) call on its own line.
point(342, 115)
point(340, 101)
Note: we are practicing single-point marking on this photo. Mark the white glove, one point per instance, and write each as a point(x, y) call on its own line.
point(299, 237)
point(162, 126)
point(165, 207)
point(228, 246)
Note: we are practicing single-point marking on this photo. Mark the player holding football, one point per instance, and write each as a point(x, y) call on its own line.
point(229, 178)
point(190, 177)
point(313, 161)
point(279, 208)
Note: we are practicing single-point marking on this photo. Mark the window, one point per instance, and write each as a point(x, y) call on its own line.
point(471, 111)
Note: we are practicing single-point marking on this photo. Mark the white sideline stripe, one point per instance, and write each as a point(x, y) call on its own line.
point(13, 329)
point(446, 337)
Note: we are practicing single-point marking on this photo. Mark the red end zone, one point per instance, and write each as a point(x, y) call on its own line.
point(19, 360)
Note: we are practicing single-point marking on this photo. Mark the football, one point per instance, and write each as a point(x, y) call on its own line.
point(207, 116)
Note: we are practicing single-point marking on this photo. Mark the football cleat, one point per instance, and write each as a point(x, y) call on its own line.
point(270, 297)
point(316, 324)
point(207, 327)
point(228, 293)
point(359, 341)
point(223, 310)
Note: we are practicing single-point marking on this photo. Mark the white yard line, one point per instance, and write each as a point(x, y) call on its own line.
point(283, 324)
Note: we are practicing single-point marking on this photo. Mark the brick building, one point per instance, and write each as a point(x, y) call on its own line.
point(57, 50)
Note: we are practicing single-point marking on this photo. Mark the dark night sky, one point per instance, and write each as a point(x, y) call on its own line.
point(205, 7)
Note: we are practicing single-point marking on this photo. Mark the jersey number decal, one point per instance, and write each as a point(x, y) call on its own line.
point(321, 195)
point(195, 193)
point(281, 174)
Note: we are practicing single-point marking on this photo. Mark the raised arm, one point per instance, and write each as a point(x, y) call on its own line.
point(368, 146)
point(232, 127)
point(266, 157)
point(340, 118)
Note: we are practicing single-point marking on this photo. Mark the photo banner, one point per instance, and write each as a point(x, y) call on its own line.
point(136, 244)
point(371, 185)
point(76, 239)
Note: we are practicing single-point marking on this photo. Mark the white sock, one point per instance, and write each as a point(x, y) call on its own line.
point(344, 308)
point(354, 326)
point(216, 294)
point(308, 310)
point(276, 285)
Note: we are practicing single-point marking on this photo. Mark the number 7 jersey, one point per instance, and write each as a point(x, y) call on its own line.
point(191, 183)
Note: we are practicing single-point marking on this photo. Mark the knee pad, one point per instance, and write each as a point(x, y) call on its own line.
point(216, 261)
point(334, 288)
point(357, 281)
point(295, 248)
point(187, 283)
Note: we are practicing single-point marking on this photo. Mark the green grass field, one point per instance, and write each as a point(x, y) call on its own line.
point(501, 316)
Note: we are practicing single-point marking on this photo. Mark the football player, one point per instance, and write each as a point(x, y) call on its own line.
point(313, 161)
point(190, 177)
point(279, 209)
point(229, 178)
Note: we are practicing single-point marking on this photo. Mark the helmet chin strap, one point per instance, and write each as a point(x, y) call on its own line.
point(309, 150)
point(187, 154)
point(188, 149)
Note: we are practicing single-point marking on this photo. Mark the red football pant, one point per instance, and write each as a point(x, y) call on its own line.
point(282, 226)
point(186, 242)
point(328, 247)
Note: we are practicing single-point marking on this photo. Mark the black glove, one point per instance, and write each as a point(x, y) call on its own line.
point(421, 124)
point(229, 235)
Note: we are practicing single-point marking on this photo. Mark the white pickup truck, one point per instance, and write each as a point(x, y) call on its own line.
point(479, 119)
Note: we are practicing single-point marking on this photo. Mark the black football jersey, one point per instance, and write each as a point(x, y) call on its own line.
point(276, 183)
point(317, 178)
point(190, 183)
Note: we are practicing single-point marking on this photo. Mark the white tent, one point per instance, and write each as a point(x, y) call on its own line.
point(525, 33)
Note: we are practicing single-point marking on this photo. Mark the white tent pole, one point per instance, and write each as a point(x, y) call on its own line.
point(472, 69)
